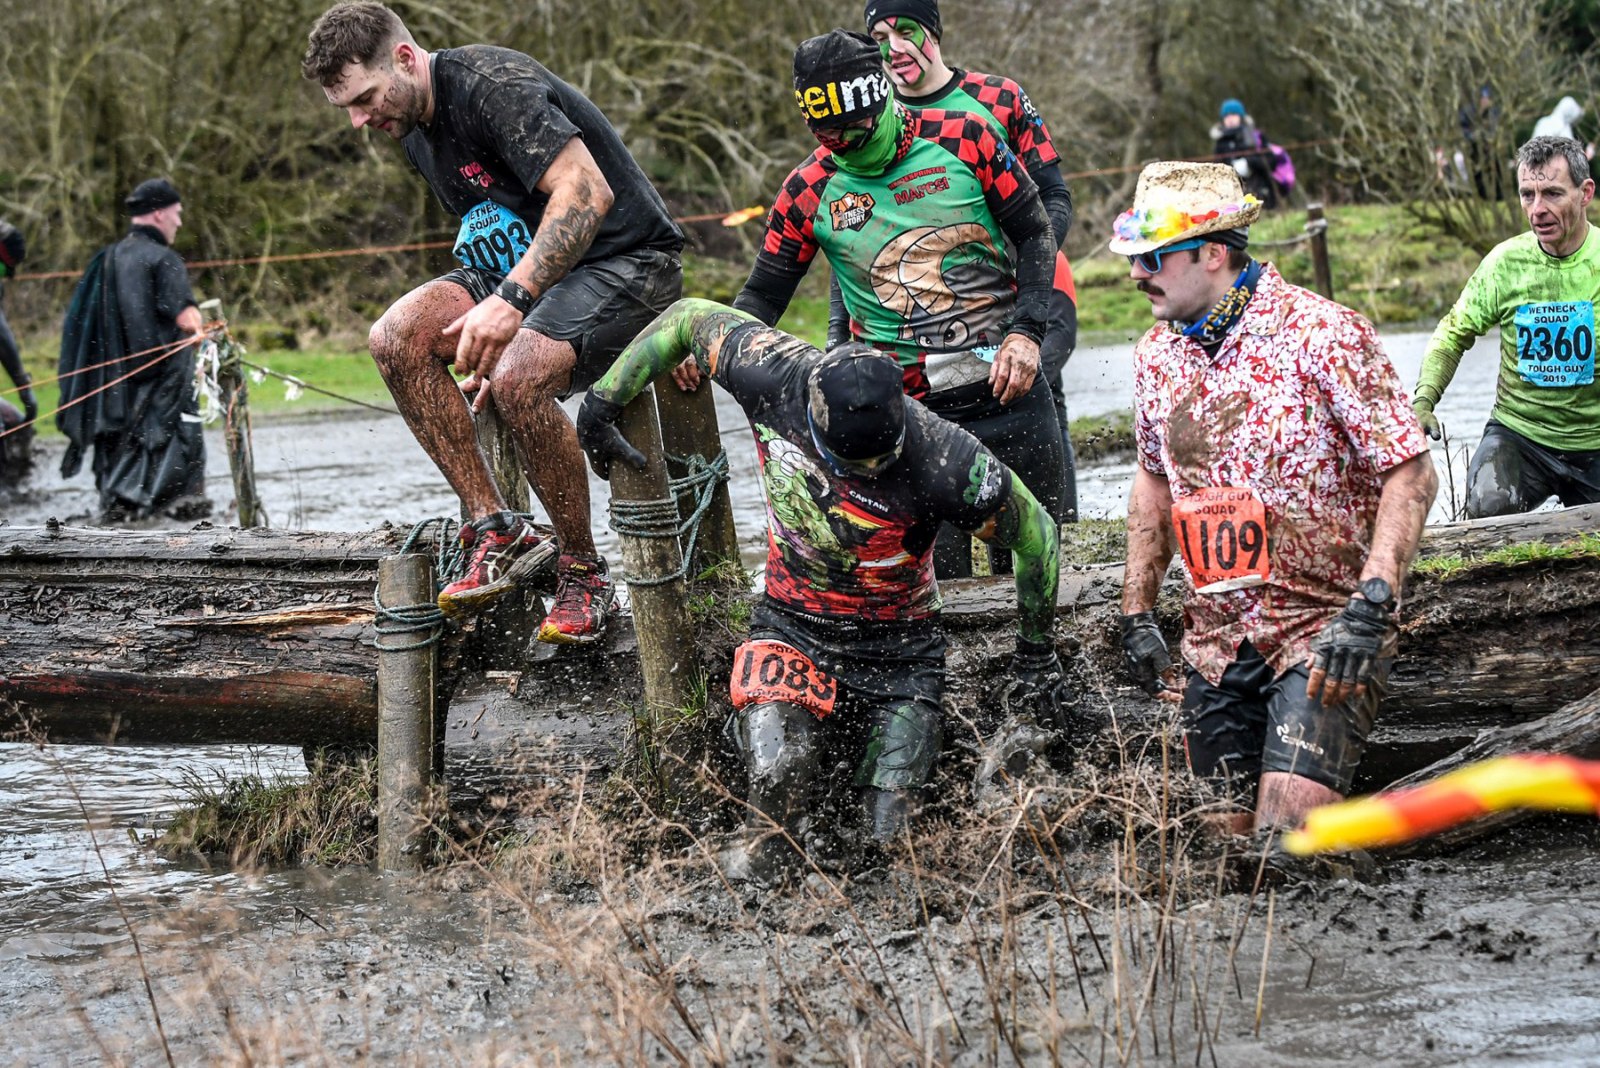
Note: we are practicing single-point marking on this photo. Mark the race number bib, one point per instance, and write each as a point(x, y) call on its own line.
point(767, 670)
point(1222, 533)
point(1555, 343)
point(492, 238)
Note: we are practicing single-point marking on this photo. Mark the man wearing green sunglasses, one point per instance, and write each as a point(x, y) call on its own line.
point(1280, 458)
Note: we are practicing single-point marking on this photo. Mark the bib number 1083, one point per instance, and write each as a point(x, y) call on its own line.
point(766, 670)
point(1222, 534)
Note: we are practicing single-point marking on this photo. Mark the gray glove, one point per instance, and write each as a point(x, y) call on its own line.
point(1144, 650)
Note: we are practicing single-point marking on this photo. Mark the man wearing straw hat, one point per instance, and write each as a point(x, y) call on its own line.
point(1280, 458)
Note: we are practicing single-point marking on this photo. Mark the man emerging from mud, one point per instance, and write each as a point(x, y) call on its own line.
point(1278, 454)
point(552, 282)
point(1539, 291)
point(845, 660)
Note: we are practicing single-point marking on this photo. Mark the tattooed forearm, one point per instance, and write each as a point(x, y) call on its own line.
point(571, 219)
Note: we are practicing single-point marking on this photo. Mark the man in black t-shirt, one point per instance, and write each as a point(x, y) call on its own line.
point(553, 282)
point(846, 657)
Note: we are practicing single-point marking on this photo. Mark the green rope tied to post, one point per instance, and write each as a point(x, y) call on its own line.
point(659, 518)
point(425, 619)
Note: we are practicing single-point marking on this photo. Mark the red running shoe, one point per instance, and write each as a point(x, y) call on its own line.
point(503, 551)
point(584, 596)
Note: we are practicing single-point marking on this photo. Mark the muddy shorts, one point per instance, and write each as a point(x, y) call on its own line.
point(1252, 722)
point(599, 307)
point(1510, 473)
point(888, 722)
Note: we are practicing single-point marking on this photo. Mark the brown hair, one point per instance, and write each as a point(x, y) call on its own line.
point(357, 31)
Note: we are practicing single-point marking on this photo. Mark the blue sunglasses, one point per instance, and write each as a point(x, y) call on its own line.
point(1151, 261)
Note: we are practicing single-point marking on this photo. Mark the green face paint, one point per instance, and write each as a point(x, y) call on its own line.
point(873, 154)
point(912, 31)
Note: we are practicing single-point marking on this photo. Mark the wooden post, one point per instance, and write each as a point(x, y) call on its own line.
point(494, 438)
point(405, 721)
point(503, 632)
point(236, 423)
point(1317, 227)
point(689, 428)
point(660, 612)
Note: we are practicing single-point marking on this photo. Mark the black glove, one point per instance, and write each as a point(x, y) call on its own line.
point(602, 442)
point(1348, 647)
point(1144, 650)
point(1038, 689)
point(30, 403)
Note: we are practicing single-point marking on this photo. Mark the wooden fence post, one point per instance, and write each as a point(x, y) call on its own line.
point(689, 428)
point(406, 681)
point(1317, 227)
point(660, 612)
point(235, 400)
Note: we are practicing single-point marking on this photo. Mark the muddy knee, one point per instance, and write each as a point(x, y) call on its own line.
point(902, 747)
point(780, 747)
point(396, 345)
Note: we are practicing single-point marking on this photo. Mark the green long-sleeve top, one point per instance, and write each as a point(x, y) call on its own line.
point(1544, 308)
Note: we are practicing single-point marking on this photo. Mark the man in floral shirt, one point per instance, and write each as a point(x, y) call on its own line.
point(1280, 457)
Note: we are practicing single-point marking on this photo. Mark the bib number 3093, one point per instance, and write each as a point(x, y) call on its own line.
point(1222, 534)
point(766, 670)
point(492, 238)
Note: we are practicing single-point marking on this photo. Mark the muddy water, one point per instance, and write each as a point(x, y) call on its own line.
point(353, 965)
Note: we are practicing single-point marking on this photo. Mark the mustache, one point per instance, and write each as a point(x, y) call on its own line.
point(1145, 287)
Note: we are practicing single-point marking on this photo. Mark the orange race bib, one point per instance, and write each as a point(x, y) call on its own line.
point(1222, 533)
point(767, 670)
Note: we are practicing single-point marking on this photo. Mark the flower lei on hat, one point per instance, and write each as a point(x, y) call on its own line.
point(1165, 223)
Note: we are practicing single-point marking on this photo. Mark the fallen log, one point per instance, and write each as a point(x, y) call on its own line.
point(193, 636)
point(224, 635)
point(1573, 730)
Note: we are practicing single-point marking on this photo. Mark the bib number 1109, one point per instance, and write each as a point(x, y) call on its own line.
point(1222, 534)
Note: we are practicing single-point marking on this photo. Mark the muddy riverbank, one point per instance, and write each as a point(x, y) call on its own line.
point(1081, 928)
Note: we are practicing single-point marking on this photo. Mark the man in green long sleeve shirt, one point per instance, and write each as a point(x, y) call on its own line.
point(846, 657)
point(1539, 289)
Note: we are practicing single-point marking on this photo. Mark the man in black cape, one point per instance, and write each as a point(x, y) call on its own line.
point(121, 353)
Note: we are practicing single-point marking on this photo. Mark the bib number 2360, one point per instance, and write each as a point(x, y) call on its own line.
point(1555, 343)
point(1222, 534)
point(766, 670)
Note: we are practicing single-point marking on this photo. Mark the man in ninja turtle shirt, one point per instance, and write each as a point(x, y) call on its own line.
point(846, 657)
point(910, 36)
point(567, 251)
point(942, 249)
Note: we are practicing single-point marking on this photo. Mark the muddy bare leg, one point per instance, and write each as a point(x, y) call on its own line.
point(1284, 799)
point(530, 374)
point(413, 358)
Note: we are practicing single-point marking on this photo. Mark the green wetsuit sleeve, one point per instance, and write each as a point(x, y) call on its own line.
point(1473, 315)
point(1023, 526)
point(687, 328)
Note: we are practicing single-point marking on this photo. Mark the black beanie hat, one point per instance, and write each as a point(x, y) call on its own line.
point(925, 12)
point(857, 402)
point(838, 79)
point(12, 245)
point(152, 195)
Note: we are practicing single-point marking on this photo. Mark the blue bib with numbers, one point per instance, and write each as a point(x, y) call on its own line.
point(1555, 343)
point(492, 238)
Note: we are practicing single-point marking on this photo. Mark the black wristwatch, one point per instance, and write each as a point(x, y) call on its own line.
point(1378, 592)
point(512, 292)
